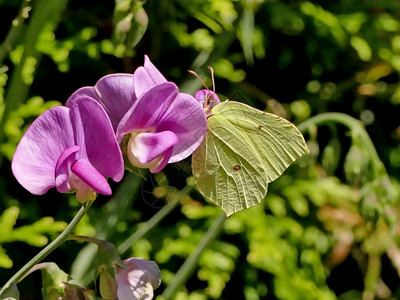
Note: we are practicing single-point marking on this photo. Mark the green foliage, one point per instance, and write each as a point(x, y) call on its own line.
point(130, 23)
point(333, 212)
point(32, 234)
point(19, 121)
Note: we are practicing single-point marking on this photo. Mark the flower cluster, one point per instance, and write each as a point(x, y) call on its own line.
point(71, 149)
point(77, 147)
point(138, 118)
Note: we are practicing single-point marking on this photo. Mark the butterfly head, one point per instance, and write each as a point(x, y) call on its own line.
point(207, 98)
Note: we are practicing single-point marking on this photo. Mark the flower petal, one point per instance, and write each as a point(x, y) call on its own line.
point(187, 119)
point(148, 109)
point(153, 72)
point(89, 175)
point(115, 92)
point(147, 77)
point(36, 156)
point(138, 279)
point(163, 161)
point(62, 171)
point(146, 147)
point(93, 131)
point(143, 81)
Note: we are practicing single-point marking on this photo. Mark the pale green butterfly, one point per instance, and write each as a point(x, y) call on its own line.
point(244, 150)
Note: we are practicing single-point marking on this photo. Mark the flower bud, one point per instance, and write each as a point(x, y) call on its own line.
point(108, 286)
point(55, 283)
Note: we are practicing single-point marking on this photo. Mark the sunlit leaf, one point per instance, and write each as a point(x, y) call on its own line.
point(32, 234)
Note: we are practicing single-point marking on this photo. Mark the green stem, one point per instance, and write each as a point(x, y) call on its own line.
point(161, 214)
point(187, 268)
point(49, 248)
point(87, 239)
point(355, 126)
point(114, 211)
point(373, 275)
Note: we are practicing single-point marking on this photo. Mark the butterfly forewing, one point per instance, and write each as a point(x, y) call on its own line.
point(275, 141)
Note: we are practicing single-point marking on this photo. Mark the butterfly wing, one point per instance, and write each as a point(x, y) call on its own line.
point(243, 151)
point(231, 179)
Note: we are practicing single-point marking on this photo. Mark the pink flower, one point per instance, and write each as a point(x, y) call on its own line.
point(138, 279)
point(157, 123)
point(72, 149)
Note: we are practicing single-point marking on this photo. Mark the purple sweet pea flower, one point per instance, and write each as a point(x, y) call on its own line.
point(138, 279)
point(72, 149)
point(160, 125)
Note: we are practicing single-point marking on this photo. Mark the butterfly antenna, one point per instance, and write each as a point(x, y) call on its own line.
point(198, 77)
point(212, 77)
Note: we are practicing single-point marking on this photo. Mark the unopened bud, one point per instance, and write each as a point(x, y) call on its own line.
point(108, 286)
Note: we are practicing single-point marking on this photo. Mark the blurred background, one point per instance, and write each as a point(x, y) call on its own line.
point(328, 228)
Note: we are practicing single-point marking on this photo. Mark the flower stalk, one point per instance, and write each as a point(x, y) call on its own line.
point(50, 247)
point(150, 224)
point(190, 263)
point(355, 126)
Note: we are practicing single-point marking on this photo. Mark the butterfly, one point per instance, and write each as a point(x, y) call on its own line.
point(243, 151)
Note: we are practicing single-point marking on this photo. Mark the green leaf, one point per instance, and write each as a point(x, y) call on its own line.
point(243, 151)
point(53, 280)
point(5, 261)
point(11, 293)
point(8, 219)
point(33, 234)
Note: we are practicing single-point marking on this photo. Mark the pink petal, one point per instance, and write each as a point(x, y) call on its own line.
point(36, 156)
point(94, 132)
point(147, 77)
point(151, 150)
point(147, 111)
point(143, 81)
point(188, 121)
point(83, 91)
point(115, 92)
point(62, 171)
point(89, 175)
point(138, 279)
point(165, 159)
point(153, 72)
